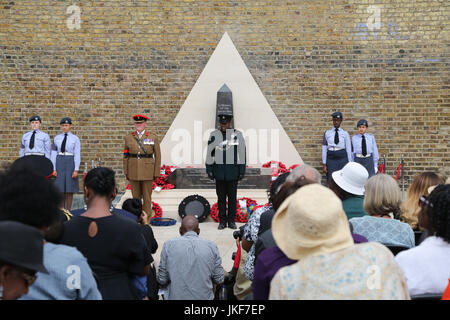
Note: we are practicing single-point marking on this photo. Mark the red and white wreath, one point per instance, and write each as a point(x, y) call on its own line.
point(242, 213)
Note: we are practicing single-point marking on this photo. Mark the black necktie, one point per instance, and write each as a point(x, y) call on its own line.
point(31, 146)
point(364, 146)
point(336, 137)
point(63, 145)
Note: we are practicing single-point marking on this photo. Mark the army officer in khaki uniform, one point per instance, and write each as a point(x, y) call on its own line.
point(142, 161)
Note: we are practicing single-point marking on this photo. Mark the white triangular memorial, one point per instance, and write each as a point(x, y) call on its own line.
point(185, 142)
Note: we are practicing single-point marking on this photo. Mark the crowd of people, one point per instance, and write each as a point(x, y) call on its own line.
point(355, 239)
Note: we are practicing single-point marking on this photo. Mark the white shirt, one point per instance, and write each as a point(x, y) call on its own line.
point(427, 266)
point(140, 134)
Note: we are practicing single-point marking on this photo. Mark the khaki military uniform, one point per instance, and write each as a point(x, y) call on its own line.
point(142, 168)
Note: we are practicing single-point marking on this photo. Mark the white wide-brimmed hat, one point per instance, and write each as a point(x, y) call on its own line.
point(351, 178)
point(311, 221)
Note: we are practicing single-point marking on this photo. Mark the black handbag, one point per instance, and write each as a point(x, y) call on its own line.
point(152, 284)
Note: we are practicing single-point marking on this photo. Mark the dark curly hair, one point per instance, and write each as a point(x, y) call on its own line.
point(101, 180)
point(29, 198)
point(439, 212)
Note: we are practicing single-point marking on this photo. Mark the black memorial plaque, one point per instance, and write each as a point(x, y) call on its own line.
point(224, 105)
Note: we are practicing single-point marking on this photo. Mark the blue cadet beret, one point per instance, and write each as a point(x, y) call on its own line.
point(35, 118)
point(224, 118)
point(66, 120)
point(362, 122)
point(337, 114)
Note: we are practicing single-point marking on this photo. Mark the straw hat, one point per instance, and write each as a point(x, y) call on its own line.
point(311, 221)
point(351, 178)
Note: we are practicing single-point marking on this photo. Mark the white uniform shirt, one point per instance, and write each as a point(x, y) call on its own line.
point(427, 266)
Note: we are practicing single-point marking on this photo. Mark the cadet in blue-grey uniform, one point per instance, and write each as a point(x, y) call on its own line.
point(66, 149)
point(35, 142)
point(336, 147)
point(364, 148)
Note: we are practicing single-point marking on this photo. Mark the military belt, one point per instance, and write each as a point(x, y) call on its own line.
point(139, 155)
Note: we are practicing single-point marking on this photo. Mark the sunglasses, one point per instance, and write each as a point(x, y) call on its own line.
point(423, 201)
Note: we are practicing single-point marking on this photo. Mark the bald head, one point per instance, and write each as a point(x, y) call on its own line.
point(189, 223)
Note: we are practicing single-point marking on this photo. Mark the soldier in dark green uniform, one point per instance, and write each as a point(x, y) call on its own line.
point(225, 163)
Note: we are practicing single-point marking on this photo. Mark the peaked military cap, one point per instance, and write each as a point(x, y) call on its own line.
point(224, 118)
point(139, 118)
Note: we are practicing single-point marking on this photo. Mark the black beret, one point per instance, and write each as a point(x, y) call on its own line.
point(362, 122)
point(337, 114)
point(35, 118)
point(66, 120)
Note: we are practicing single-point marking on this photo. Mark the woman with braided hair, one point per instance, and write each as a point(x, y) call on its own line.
point(426, 267)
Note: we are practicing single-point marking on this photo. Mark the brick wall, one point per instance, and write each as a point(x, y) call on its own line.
point(309, 58)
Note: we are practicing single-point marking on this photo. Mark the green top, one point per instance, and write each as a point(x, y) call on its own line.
point(354, 207)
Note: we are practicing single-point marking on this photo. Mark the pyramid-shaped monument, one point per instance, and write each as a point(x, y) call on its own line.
point(185, 142)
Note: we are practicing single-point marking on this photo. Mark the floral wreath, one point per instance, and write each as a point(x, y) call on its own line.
point(161, 181)
point(241, 215)
point(158, 210)
point(279, 164)
point(275, 171)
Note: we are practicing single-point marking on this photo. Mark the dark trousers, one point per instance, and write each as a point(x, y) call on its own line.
point(224, 190)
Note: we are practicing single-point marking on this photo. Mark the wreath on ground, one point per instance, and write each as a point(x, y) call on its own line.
point(157, 219)
point(242, 213)
point(198, 199)
point(157, 210)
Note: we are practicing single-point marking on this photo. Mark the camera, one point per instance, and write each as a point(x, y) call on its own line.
point(239, 233)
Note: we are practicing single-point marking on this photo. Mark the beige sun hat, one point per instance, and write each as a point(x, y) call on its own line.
point(311, 221)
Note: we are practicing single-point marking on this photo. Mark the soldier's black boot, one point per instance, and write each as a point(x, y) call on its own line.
point(222, 225)
point(232, 225)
